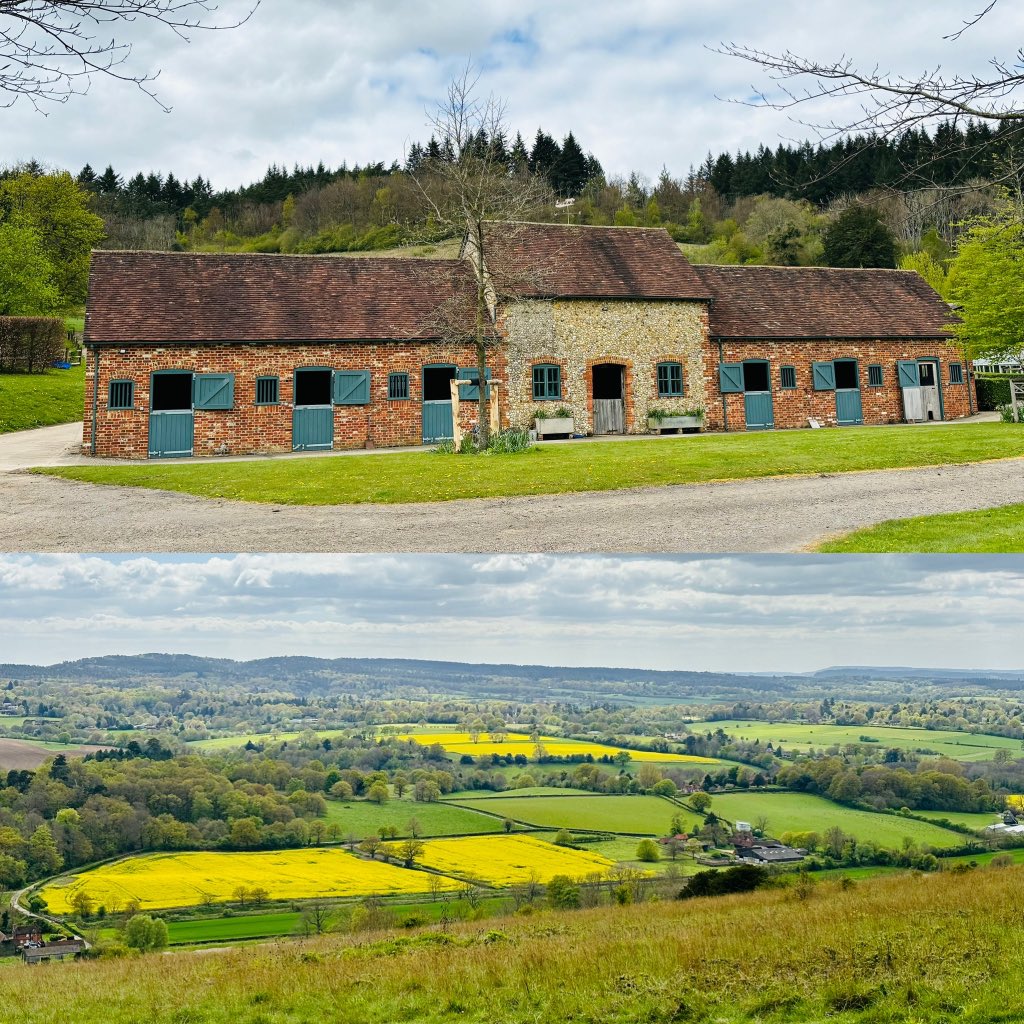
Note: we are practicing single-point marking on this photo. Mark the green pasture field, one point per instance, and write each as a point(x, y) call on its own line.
point(558, 469)
point(258, 738)
point(983, 860)
point(650, 815)
point(965, 818)
point(961, 746)
point(363, 818)
point(996, 530)
point(804, 812)
point(472, 795)
point(233, 929)
point(29, 400)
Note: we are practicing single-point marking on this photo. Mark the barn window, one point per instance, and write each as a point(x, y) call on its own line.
point(956, 373)
point(875, 378)
point(788, 378)
point(670, 380)
point(547, 383)
point(122, 394)
point(268, 391)
point(398, 386)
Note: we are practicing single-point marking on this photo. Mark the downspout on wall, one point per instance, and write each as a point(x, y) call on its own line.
point(95, 392)
point(725, 404)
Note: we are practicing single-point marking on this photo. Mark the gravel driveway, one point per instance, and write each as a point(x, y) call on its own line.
point(776, 515)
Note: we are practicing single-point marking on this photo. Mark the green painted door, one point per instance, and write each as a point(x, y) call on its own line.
point(171, 417)
point(847, 383)
point(312, 428)
point(313, 411)
point(171, 434)
point(757, 395)
point(438, 423)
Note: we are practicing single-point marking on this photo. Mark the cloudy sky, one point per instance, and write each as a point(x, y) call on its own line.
point(729, 613)
point(349, 80)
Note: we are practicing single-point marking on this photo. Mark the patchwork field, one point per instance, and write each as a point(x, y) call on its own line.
point(507, 860)
point(362, 818)
point(159, 881)
point(234, 742)
point(802, 736)
point(519, 743)
point(650, 815)
point(803, 812)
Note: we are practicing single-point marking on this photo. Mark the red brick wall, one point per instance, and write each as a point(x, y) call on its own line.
point(249, 428)
point(792, 408)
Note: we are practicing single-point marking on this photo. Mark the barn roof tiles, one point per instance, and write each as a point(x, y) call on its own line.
point(201, 297)
point(587, 262)
point(819, 302)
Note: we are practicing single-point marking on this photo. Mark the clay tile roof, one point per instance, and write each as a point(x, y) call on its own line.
point(820, 302)
point(199, 297)
point(583, 262)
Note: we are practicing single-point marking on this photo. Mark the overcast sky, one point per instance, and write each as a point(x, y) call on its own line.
point(726, 613)
point(349, 80)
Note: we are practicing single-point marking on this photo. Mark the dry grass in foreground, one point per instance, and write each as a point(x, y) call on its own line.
point(912, 948)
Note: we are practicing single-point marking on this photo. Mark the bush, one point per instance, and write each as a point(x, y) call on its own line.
point(30, 344)
point(744, 878)
point(647, 851)
point(993, 390)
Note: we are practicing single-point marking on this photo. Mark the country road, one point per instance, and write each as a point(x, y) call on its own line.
point(781, 514)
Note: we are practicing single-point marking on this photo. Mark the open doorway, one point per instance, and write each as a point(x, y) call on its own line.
point(171, 419)
point(438, 424)
point(609, 384)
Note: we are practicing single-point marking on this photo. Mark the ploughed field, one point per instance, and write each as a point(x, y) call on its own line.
point(961, 746)
point(519, 743)
point(164, 880)
point(30, 754)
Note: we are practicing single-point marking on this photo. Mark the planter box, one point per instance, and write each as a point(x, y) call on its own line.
point(548, 427)
point(674, 423)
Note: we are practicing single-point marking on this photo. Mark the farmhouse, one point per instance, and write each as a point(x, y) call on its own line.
point(198, 354)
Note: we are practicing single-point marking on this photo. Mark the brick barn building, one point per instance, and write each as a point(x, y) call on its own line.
point(196, 354)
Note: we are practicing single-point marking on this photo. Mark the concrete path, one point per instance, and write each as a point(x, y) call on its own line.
point(777, 515)
point(47, 446)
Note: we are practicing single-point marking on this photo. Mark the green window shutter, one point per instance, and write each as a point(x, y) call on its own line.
point(824, 376)
point(351, 387)
point(213, 391)
point(956, 373)
point(907, 370)
point(730, 377)
point(471, 392)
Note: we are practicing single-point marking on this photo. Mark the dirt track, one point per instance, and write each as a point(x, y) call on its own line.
point(776, 515)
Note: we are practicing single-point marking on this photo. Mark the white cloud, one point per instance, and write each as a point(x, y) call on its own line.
point(725, 613)
point(307, 80)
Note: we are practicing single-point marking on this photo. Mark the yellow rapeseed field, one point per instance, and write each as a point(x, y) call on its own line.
point(159, 881)
point(507, 860)
point(520, 743)
point(1015, 802)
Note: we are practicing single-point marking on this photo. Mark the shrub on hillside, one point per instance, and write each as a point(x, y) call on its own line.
point(30, 344)
point(743, 878)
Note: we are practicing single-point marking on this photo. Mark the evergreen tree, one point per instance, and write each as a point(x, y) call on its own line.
point(858, 238)
point(110, 182)
point(544, 155)
point(569, 173)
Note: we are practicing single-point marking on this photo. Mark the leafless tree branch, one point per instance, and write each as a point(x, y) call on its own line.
point(50, 50)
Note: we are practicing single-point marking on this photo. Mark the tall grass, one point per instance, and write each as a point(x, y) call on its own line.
point(897, 949)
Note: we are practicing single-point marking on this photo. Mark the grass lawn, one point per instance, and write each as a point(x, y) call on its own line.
point(803, 812)
point(995, 530)
point(960, 746)
point(648, 815)
point(556, 469)
point(30, 400)
point(363, 818)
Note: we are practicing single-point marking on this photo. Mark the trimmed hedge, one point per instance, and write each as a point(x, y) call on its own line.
point(994, 389)
point(30, 344)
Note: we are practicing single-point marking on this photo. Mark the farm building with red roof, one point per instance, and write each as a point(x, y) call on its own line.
point(207, 354)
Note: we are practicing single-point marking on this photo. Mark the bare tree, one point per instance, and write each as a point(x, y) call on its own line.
point(51, 49)
point(467, 184)
point(892, 103)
